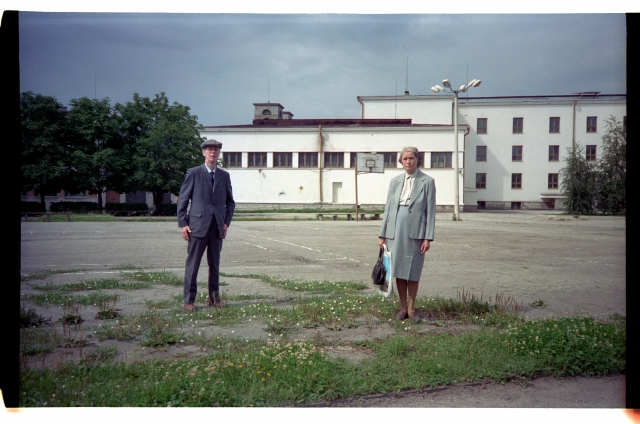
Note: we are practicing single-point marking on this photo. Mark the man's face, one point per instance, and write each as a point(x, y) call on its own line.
point(211, 153)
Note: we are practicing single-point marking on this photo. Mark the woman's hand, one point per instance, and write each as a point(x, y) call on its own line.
point(381, 241)
point(426, 244)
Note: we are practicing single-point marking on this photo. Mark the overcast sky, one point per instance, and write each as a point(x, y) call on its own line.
point(314, 64)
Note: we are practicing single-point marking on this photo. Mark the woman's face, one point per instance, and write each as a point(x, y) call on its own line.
point(409, 162)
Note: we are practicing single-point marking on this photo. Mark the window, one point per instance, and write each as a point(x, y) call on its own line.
point(232, 159)
point(481, 127)
point(553, 181)
point(308, 160)
point(441, 159)
point(554, 153)
point(554, 124)
point(592, 124)
point(624, 123)
point(591, 152)
point(334, 160)
point(353, 159)
point(516, 153)
point(516, 180)
point(516, 205)
point(517, 125)
point(282, 160)
point(391, 159)
point(481, 180)
point(257, 160)
point(481, 153)
point(482, 204)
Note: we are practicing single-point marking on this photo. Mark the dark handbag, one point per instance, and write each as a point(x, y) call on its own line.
point(378, 273)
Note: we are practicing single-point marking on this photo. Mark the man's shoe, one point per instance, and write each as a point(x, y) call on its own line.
point(189, 307)
point(217, 303)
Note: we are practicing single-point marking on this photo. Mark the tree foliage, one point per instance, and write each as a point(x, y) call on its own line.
point(578, 183)
point(44, 152)
point(612, 169)
point(99, 156)
point(166, 141)
point(597, 187)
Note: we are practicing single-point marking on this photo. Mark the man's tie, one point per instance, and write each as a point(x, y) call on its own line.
point(212, 177)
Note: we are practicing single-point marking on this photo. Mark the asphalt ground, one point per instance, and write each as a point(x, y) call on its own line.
point(571, 265)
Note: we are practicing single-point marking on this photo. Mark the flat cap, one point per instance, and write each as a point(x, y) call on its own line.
point(210, 142)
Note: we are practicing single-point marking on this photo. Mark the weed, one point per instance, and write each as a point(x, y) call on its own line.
point(107, 308)
point(29, 318)
point(538, 304)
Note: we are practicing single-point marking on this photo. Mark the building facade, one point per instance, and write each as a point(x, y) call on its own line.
point(516, 146)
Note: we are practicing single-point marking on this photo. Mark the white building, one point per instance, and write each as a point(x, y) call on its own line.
point(511, 149)
point(515, 146)
point(288, 163)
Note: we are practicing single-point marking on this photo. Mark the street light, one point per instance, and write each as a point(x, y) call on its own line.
point(463, 89)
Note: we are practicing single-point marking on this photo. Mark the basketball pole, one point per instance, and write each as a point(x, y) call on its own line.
point(356, 169)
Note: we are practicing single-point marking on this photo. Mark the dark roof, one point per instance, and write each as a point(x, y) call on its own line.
point(272, 123)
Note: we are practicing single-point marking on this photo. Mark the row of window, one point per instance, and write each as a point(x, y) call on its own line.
point(331, 159)
point(516, 153)
point(554, 125)
point(516, 180)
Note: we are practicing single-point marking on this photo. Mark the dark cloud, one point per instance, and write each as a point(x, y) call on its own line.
point(314, 64)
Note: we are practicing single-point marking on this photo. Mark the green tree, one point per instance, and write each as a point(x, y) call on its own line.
point(612, 169)
point(99, 156)
point(44, 153)
point(578, 183)
point(166, 141)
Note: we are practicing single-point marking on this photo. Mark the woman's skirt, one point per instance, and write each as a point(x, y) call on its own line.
point(406, 259)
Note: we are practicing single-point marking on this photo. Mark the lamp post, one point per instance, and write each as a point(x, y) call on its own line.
point(463, 89)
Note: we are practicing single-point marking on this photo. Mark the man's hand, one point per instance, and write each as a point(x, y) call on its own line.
point(224, 232)
point(186, 232)
point(426, 244)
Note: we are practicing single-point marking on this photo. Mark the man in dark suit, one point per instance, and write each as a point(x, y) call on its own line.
point(205, 225)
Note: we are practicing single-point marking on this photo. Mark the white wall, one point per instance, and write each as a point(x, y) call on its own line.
point(302, 185)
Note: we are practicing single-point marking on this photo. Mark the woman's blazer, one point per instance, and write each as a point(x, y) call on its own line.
point(422, 207)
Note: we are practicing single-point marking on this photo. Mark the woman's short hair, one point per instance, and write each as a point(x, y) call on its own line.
point(413, 150)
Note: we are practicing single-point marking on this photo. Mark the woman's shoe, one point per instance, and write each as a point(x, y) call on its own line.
point(401, 315)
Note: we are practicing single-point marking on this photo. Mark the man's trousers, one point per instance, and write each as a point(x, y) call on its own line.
point(212, 243)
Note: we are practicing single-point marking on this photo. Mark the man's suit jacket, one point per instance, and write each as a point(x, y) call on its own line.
point(206, 200)
point(422, 207)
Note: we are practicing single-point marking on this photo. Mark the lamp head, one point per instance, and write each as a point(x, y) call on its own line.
point(446, 83)
point(435, 89)
point(463, 88)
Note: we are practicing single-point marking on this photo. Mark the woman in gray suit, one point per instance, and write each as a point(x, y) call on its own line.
point(407, 227)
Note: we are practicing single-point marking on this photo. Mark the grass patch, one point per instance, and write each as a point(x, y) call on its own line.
point(127, 267)
point(314, 211)
point(162, 277)
point(45, 274)
point(57, 298)
point(97, 217)
point(101, 284)
point(281, 373)
point(315, 287)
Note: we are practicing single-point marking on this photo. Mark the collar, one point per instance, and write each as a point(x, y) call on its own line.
point(415, 174)
point(209, 170)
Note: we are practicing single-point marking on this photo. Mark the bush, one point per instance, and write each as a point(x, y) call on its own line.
point(75, 207)
point(31, 207)
point(169, 209)
point(117, 207)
